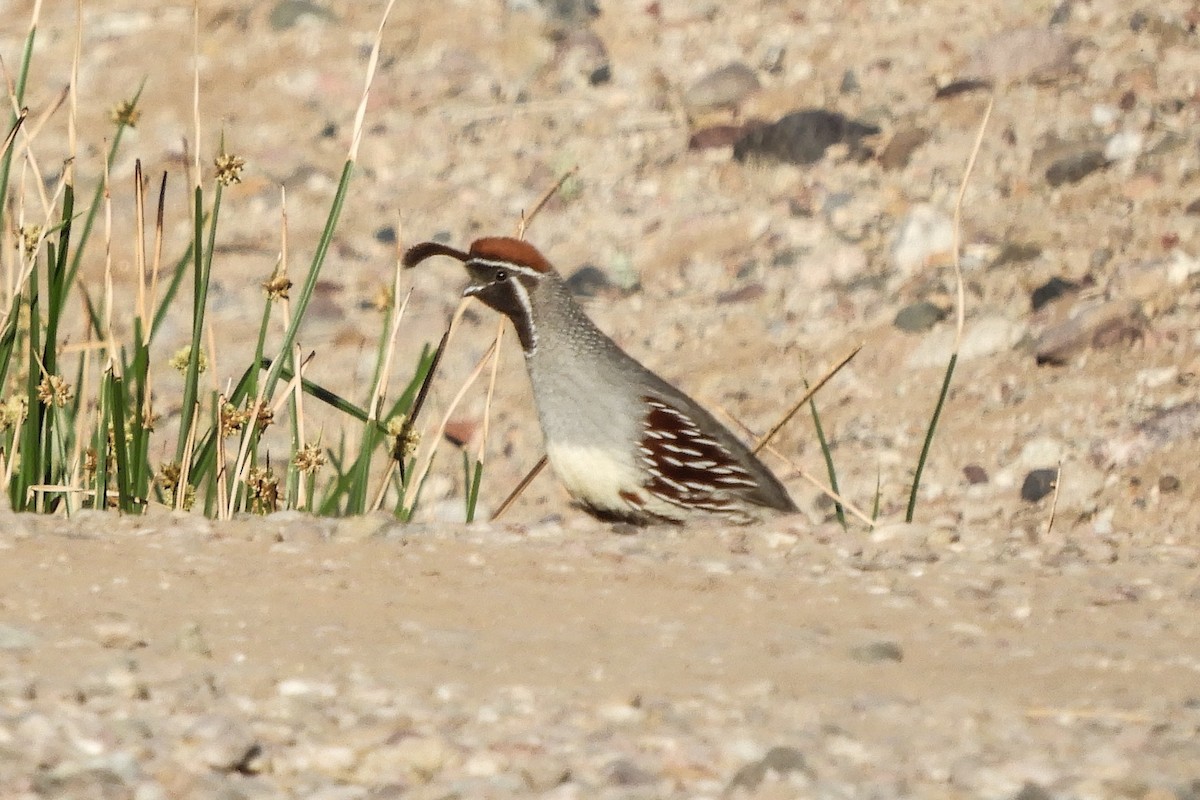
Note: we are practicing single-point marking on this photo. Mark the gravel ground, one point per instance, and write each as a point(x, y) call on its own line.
point(740, 249)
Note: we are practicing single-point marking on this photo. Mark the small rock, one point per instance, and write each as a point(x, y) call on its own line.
point(802, 137)
point(963, 86)
point(876, 652)
point(1016, 253)
point(924, 234)
point(1033, 791)
point(715, 136)
point(119, 633)
point(386, 234)
point(624, 772)
point(723, 88)
point(1168, 484)
point(561, 15)
point(1041, 450)
point(545, 773)
point(900, 149)
point(779, 760)
point(219, 742)
point(289, 13)
point(582, 54)
point(984, 336)
point(1037, 484)
point(849, 84)
point(1013, 56)
point(1090, 325)
point(1124, 146)
point(459, 431)
point(1075, 166)
point(1050, 291)
point(14, 638)
point(919, 317)
point(751, 291)
point(975, 474)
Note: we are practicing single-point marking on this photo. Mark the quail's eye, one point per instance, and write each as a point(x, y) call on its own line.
point(501, 275)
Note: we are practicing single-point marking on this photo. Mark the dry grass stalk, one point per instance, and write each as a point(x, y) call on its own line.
point(372, 63)
point(1054, 499)
point(521, 486)
point(766, 438)
point(420, 474)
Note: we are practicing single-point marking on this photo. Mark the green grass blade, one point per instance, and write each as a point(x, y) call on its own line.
point(933, 421)
point(117, 411)
point(202, 265)
point(473, 482)
point(830, 469)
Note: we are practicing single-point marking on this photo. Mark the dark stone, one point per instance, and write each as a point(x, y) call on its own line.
point(877, 652)
point(975, 474)
point(1138, 21)
point(1033, 791)
point(962, 86)
point(1051, 290)
point(1074, 167)
point(1168, 484)
point(850, 84)
point(329, 131)
point(588, 281)
point(919, 317)
point(900, 149)
point(600, 75)
point(1038, 483)
point(1193, 207)
point(750, 291)
point(786, 257)
point(1061, 13)
point(715, 136)
point(1016, 253)
point(802, 137)
point(386, 235)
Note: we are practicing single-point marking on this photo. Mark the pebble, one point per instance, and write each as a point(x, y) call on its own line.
point(1124, 146)
point(218, 742)
point(1037, 484)
point(923, 234)
point(723, 88)
point(802, 137)
point(901, 147)
point(877, 651)
point(1022, 54)
point(1051, 290)
point(14, 638)
point(919, 317)
point(1090, 324)
point(780, 761)
point(1075, 165)
point(983, 336)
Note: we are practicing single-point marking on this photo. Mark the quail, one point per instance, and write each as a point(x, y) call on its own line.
point(627, 445)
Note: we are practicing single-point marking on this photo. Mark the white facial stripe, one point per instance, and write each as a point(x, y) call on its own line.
point(523, 298)
point(508, 265)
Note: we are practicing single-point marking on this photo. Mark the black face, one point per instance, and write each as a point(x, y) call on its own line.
point(506, 290)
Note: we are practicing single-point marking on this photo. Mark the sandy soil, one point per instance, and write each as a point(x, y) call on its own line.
point(978, 653)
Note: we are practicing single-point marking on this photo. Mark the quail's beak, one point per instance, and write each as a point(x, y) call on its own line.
point(472, 290)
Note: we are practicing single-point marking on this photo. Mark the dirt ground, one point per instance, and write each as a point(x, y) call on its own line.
point(980, 652)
